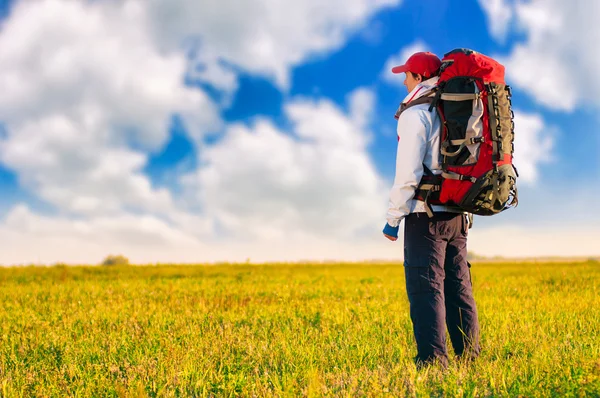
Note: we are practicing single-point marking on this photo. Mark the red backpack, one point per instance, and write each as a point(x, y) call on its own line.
point(476, 144)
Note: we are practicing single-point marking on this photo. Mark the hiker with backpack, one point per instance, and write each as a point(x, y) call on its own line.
point(454, 159)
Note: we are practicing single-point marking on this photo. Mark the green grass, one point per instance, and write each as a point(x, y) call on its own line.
point(287, 330)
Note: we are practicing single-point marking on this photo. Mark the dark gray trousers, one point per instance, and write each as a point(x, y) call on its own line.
point(438, 282)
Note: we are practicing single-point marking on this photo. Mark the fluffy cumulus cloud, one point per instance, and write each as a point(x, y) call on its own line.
point(554, 62)
point(317, 180)
point(399, 59)
point(265, 37)
point(533, 145)
point(30, 238)
point(311, 193)
point(499, 14)
point(83, 86)
point(89, 89)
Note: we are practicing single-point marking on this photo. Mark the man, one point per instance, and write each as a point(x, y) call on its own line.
point(438, 279)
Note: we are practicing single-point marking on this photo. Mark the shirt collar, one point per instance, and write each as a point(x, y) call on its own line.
point(421, 89)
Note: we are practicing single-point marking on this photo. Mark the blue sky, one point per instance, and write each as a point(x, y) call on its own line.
point(185, 124)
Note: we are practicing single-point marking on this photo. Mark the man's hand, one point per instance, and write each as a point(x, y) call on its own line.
point(391, 232)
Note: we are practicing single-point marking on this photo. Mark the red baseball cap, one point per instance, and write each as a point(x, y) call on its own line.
point(422, 63)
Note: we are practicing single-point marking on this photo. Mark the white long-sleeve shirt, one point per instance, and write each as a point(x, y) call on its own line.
point(418, 144)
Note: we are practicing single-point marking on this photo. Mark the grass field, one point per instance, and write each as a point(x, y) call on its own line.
point(287, 330)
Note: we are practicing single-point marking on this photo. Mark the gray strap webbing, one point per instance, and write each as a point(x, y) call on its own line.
point(425, 187)
point(451, 176)
point(495, 190)
point(459, 97)
point(462, 144)
point(460, 177)
point(428, 208)
point(492, 123)
point(428, 189)
point(451, 154)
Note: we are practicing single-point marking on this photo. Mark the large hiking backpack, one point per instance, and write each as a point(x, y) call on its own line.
point(476, 144)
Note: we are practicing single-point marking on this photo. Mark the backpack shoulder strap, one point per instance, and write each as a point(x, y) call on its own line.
point(419, 101)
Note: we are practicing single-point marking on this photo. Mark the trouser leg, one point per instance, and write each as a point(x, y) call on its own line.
point(424, 256)
point(461, 311)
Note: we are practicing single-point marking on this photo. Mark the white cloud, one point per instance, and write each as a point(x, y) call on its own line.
point(555, 88)
point(88, 90)
point(89, 87)
point(29, 238)
point(399, 59)
point(555, 64)
point(319, 181)
point(533, 145)
point(86, 95)
point(142, 230)
point(26, 238)
point(499, 14)
point(265, 37)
